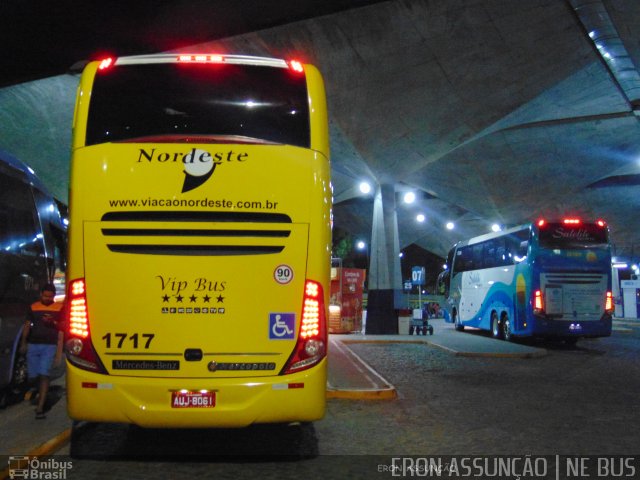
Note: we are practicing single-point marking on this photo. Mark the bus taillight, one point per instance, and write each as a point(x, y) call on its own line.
point(201, 58)
point(296, 66)
point(601, 223)
point(608, 304)
point(105, 63)
point(571, 221)
point(538, 302)
point(78, 345)
point(312, 340)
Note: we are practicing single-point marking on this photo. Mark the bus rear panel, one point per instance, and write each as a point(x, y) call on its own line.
point(199, 245)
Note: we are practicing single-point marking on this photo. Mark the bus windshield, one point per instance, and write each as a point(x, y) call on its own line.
point(562, 236)
point(188, 102)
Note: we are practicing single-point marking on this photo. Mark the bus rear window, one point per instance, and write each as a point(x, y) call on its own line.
point(562, 236)
point(179, 102)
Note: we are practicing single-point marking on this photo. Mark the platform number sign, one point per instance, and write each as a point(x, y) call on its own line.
point(417, 275)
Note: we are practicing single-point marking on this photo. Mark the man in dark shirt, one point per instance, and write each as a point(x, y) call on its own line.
point(42, 342)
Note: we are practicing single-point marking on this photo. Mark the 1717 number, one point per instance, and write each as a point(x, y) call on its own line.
point(137, 340)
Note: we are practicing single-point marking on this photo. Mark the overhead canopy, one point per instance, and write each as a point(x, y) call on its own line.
point(491, 112)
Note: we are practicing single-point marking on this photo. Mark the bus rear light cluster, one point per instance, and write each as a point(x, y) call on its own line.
point(311, 347)
point(78, 345)
point(538, 302)
point(608, 303)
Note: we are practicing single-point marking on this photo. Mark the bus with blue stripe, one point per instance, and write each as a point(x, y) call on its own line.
point(543, 279)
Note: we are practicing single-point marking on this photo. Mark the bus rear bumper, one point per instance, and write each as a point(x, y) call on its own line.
point(239, 402)
point(551, 327)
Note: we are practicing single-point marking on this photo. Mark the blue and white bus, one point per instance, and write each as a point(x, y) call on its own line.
point(548, 279)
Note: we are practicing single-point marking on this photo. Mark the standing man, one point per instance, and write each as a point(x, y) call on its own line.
point(42, 342)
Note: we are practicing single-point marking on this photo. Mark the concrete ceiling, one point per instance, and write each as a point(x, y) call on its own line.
point(492, 111)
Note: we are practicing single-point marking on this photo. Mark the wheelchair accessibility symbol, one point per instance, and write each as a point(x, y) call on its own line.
point(282, 326)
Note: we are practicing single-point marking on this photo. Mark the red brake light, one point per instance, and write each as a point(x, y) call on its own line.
point(310, 324)
point(77, 310)
point(608, 304)
point(78, 345)
point(311, 347)
point(105, 63)
point(538, 302)
point(601, 223)
point(541, 222)
point(296, 66)
point(201, 58)
point(571, 221)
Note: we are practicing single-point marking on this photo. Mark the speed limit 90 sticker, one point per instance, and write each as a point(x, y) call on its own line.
point(283, 274)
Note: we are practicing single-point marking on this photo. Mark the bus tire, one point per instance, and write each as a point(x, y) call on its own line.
point(496, 326)
point(456, 321)
point(19, 375)
point(506, 328)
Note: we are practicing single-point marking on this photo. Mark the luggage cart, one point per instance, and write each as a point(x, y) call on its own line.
point(420, 323)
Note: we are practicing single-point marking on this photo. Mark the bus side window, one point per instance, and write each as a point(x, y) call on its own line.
point(461, 263)
point(489, 254)
point(19, 234)
point(478, 258)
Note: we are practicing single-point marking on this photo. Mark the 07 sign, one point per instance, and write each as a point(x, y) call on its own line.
point(417, 275)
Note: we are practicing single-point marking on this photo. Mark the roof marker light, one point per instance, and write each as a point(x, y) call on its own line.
point(105, 63)
point(201, 58)
point(296, 66)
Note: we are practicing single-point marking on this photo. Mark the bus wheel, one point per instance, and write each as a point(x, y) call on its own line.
point(506, 328)
point(496, 327)
point(19, 374)
point(456, 321)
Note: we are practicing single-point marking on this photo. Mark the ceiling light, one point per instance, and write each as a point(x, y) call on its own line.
point(420, 218)
point(450, 225)
point(496, 228)
point(409, 197)
point(365, 187)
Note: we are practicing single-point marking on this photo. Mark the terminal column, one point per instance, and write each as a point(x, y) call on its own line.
point(385, 276)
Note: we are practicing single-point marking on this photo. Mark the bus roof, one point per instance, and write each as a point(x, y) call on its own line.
point(28, 174)
point(200, 58)
point(489, 236)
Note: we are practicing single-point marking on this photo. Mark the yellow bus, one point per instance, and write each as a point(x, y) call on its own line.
point(199, 242)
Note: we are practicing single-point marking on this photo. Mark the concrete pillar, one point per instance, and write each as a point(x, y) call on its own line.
point(385, 276)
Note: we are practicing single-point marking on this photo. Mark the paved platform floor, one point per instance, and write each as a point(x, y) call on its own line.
point(348, 377)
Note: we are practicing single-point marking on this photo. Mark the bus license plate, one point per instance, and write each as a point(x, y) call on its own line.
point(193, 399)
